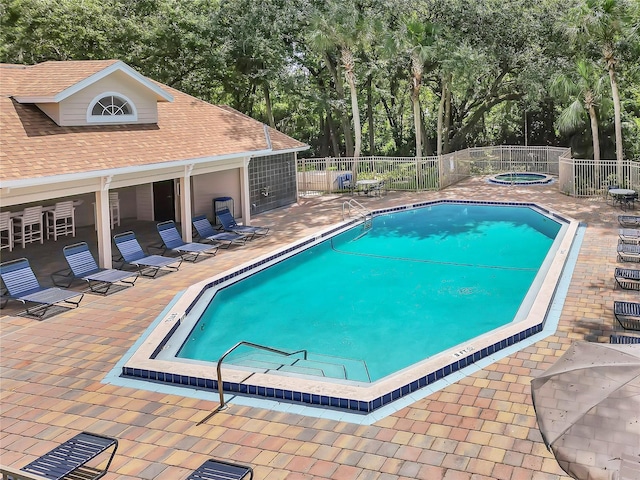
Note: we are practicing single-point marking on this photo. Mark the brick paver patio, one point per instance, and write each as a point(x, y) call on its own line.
point(482, 427)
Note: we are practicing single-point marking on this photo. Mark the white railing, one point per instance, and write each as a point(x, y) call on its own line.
point(576, 177)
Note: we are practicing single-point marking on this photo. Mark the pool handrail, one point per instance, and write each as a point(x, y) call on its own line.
point(361, 211)
point(223, 405)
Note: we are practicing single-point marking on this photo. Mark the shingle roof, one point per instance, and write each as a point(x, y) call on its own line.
point(32, 145)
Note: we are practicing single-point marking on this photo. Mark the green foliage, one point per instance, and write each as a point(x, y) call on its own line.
point(283, 61)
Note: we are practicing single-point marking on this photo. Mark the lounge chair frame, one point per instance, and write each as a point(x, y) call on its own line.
point(219, 470)
point(83, 267)
point(172, 240)
point(629, 221)
point(627, 314)
point(629, 235)
point(206, 233)
point(628, 253)
point(623, 339)
point(627, 278)
point(147, 265)
point(72, 455)
point(229, 224)
point(21, 284)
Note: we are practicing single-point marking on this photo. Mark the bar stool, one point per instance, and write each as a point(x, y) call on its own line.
point(61, 220)
point(28, 226)
point(114, 208)
point(6, 225)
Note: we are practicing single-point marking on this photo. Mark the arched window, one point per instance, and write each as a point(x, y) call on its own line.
point(111, 107)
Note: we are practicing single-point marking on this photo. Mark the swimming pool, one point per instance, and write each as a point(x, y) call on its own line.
point(156, 359)
point(380, 299)
point(521, 178)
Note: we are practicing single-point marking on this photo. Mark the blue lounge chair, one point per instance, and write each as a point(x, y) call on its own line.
point(627, 314)
point(72, 455)
point(628, 253)
point(230, 225)
point(629, 221)
point(82, 266)
point(219, 470)
point(623, 339)
point(629, 235)
point(147, 265)
point(172, 240)
point(22, 285)
point(627, 278)
point(206, 233)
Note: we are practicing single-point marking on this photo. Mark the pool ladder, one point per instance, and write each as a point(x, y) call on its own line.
point(359, 210)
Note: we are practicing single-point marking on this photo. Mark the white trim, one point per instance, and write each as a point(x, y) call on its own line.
point(111, 118)
point(117, 66)
point(29, 182)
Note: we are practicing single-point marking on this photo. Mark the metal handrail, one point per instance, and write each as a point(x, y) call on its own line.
point(223, 405)
point(360, 209)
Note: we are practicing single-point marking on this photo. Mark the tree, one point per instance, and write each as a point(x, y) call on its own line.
point(605, 24)
point(585, 89)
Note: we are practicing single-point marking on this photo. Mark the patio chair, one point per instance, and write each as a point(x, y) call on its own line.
point(22, 285)
point(172, 240)
point(82, 266)
point(219, 470)
point(206, 233)
point(629, 221)
point(230, 225)
point(623, 339)
point(147, 265)
point(627, 278)
point(629, 235)
point(6, 231)
point(29, 226)
point(61, 220)
point(627, 314)
point(628, 253)
point(72, 455)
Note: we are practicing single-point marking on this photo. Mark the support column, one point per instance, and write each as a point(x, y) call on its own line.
point(245, 201)
point(103, 224)
point(185, 203)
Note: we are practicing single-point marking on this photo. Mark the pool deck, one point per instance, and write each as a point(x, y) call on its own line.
point(481, 427)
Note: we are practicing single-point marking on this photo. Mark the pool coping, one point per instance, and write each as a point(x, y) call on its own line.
point(145, 364)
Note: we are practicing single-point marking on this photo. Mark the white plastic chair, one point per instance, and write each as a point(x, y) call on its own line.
point(61, 220)
point(28, 226)
point(6, 225)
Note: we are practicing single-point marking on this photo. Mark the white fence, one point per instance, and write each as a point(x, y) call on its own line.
point(575, 177)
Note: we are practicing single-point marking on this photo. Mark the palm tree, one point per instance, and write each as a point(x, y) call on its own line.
point(341, 27)
point(605, 23)
point(584, 88)
point(419, 37)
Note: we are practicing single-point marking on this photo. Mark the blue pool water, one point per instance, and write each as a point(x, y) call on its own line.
point(418, 282)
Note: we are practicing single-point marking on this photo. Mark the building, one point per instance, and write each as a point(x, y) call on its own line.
point(83, 130)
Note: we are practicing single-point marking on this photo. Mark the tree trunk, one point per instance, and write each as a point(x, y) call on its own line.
point(617, 116)
point(348, 63)
point(332, 134)
point(440, 119)
point(267, 101)
point(417, 124)
point(447, 117)
point(372, 133)
point(346, 127)
point(596, 138)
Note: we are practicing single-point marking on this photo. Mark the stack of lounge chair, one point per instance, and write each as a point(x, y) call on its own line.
point(229, 224)
point(172, 240)
point(207, 234)
point(627, 314)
